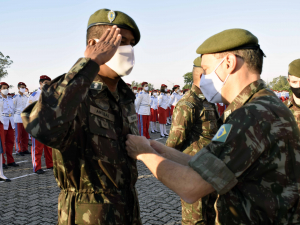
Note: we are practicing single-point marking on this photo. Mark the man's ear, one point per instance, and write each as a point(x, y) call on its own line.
point(91, 42)
point(231, 63)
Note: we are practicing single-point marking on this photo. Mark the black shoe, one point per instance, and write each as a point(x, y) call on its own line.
point(20, 154)
point(166, 135)
point(50, 168)
point(26, 152)
point(156, 131)
point(153, 132)
point(40, 171)
point(6, 180)
point(4, 166)
point(13, 164)
point(162, 136)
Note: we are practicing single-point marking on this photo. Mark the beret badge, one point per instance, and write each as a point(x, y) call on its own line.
point(111, 16)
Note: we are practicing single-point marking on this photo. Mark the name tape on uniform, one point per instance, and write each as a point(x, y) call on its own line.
point(132, 118)
point(102, 113)
point(223, 132)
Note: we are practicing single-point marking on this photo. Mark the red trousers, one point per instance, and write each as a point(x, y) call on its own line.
point(162, 115)
point(7, 136)
point(21, 138)
point(144, 122)
point(172, 109)
point(36, 155)
point(154, 115)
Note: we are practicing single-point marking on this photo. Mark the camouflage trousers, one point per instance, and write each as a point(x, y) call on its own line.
point(201, 212)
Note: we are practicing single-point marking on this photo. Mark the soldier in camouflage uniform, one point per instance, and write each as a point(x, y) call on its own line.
point(194, 124)
point(85, 120)
point(293, 103)
point(253, 160)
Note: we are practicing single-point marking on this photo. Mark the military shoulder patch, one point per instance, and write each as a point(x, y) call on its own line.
point(188, 104)
point(223, 132)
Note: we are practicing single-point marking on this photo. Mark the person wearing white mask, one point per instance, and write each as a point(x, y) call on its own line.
point(21, 136)
point(7, 124)
point(154, 114)
point(163, 102)
point(253, 160)
point(143, 108)
point(85, 115)
point(175, 97)
point(37, 148)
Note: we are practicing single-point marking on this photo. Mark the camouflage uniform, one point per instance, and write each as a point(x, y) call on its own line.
point(290, 103)
point(253, 161)
point(86, 125)
point(194, 123)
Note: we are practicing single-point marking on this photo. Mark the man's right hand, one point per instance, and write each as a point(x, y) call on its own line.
point(103, 50)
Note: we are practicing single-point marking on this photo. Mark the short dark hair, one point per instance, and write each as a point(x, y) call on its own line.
point(19, 85)
point(95, 32)
point(162, 89)
point(42, 80)
point(2, 85)
point(252, 57)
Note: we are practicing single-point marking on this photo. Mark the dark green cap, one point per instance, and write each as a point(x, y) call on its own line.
point(229, 40)
point(109, 17)
point(197, 62)
point(294, 68)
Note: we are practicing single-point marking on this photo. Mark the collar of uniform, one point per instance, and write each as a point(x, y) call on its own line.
point(197, 92)
point(291, 102)
point(243, 97)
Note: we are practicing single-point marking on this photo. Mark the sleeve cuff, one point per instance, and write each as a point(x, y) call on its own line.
point(214, 171)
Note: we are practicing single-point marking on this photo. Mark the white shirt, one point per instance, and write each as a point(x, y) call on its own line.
point(7, 112)
point(163, 101)
point(175, 98)
point(20, 103)
point(154, 102)
point(136, 96)
point(143, 103)
point(34, 97)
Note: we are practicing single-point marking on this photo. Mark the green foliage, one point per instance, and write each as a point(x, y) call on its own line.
point(5, 62)
point(279, 84)
point(188, 80)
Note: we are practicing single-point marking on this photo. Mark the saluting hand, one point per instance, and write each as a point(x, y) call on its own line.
point(103, 50)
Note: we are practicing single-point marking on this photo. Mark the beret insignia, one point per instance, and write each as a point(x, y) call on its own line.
point(111, 16)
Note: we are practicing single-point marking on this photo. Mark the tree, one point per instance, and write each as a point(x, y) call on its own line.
point(5, 62)
point(188, 80)
point(279, 84)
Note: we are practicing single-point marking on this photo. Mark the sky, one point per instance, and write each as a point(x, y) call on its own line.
point(47, 37)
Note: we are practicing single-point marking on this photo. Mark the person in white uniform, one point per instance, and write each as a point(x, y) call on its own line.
point(154, 114)
point(143, 109)
point(21, 136)
point(7, 125)
point(163, 102)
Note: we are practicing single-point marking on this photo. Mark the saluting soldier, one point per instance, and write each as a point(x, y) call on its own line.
point(194, 124)
point(85, 115)
point(21, 136)
point(253, 160)
point(293, 103)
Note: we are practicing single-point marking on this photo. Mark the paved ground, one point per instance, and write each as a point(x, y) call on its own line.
point(32, 199)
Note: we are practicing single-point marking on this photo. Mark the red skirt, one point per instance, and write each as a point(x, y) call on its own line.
point(154, 115)
point(162, 115)
point(168, 111)
point(172, 109)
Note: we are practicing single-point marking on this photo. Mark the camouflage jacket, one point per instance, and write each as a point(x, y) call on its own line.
point(86, 125)
point(290, 103)
point(194, 122)
point(253, 161)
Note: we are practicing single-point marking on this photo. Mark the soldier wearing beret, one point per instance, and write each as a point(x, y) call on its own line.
point(194, 123)
point(21, 136)
point(85, 115)
point(252, 161)
point(293, 103)
point(7, 125)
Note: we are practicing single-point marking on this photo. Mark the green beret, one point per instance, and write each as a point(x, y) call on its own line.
point(109, 17)
point(294, 68)
point(197, 62)
point(228, 40)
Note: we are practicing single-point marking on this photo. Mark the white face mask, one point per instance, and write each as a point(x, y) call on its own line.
point(134, 91)
point(177, 90)
point(4, 91)
point(22, 90)
point(155, 94)
point(146, 88)
point(123, 60)
point(211, 86)
point(25, 93)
